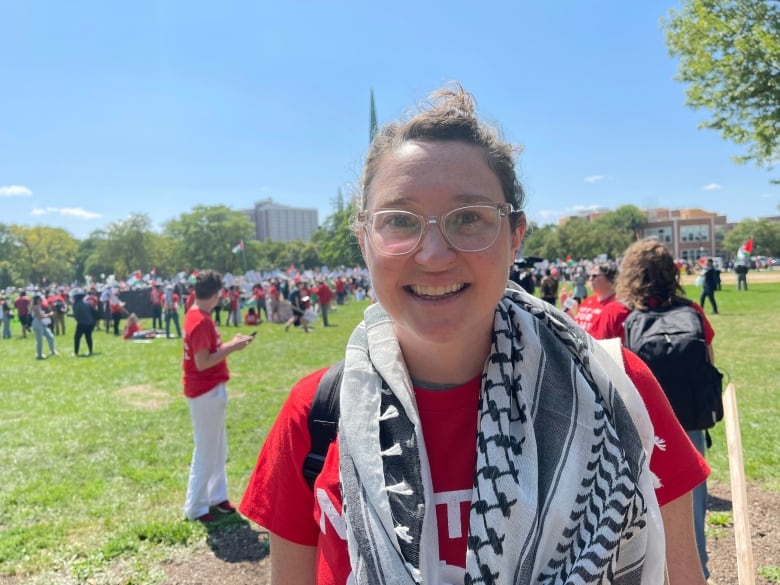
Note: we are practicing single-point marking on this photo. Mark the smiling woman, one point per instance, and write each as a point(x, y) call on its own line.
point(474, 413)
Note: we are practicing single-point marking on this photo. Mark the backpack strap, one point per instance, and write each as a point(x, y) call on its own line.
point(323, 421)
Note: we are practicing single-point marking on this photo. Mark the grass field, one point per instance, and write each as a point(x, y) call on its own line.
point(95, 451)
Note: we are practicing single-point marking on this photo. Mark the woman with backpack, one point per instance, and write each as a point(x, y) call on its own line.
point(648, 285)
point(485, 438)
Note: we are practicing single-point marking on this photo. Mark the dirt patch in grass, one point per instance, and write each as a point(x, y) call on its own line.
point(240, 557)
point(144, 396)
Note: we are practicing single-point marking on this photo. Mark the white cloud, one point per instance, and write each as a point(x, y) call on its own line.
point(71, 211)
point(594, 178)
point(15, 191)
point(577, 209)
point(712, 187)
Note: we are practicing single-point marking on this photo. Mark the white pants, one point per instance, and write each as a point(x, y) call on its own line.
point(208, 480)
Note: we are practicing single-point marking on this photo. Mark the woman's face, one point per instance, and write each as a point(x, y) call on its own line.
point(436, 293)
point(600, 284)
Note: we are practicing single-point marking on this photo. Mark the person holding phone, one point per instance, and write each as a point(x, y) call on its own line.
point(205, 374)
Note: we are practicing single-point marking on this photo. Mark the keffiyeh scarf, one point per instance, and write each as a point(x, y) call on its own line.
point(562, 491)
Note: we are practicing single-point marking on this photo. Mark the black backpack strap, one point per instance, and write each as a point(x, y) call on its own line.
point(323, 421)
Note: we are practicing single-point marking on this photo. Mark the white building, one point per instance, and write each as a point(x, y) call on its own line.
point(282, 223)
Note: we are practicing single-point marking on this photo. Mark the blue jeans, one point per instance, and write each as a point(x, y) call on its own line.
point(172, 316)
point(42, 331)
point(6, 327)
point(700, 502)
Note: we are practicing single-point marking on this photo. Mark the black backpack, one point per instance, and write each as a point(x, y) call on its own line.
point(323, 421)
point(671, 342)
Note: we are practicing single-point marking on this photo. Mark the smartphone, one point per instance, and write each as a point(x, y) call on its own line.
point(253, 334)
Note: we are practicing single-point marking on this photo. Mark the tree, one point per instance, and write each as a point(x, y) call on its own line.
point(9, 263)
point(335, 241)
point(129, 245)
point(729, 53)
point(542, 241)
point(45, 254)
point(764, 233)
point(205, 238)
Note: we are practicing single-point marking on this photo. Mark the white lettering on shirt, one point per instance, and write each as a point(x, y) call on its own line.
point(452, 500)
point(327, 508)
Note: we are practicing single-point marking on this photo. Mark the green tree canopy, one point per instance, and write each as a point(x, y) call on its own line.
point(44, 254)
point(204, 238)
point(729, 52)
point(336, 243)
point(765, 235)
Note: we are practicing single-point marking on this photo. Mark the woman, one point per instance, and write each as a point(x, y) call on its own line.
point(650, 279)
point(40, 324)
point(467, 450)
point(602, 281)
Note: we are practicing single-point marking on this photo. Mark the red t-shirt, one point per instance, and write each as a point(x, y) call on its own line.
point(201, 333)
point(131, 329)
point(589, 310)
point(609, 322)
point(22, 305)
point(324, 294)
point(278, 497)
point(250, 319)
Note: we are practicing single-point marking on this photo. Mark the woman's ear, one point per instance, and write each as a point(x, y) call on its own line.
point(518, 234)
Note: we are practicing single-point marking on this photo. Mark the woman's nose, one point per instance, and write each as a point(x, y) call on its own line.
point(433, 245)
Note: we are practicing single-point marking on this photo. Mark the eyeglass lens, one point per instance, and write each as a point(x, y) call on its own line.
point(468, 229)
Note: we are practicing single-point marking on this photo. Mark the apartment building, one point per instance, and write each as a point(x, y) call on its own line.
point(282, 223)
point(689, 233)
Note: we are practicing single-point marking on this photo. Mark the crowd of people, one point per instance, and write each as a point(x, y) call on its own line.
point(43, 313)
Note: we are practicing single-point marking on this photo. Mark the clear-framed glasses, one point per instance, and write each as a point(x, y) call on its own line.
point(471, 228)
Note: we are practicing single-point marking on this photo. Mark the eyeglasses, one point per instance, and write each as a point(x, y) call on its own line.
point(471, 228)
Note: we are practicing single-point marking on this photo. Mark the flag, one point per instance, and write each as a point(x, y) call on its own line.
point(238, 247)
point(745, 250)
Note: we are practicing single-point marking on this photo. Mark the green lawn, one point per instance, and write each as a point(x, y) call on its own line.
point(95, 451)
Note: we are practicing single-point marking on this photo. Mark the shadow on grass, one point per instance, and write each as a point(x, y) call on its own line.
point(233, 540)
point(716, 504)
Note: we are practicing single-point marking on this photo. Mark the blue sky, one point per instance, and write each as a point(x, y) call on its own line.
point(110, 108)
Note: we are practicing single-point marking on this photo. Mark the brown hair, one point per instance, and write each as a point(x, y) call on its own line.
point(207, 284)
point(648, 271)
point(608, 270)
point(448, 115)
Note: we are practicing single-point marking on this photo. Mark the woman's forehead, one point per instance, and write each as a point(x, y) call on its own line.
point(416, 169)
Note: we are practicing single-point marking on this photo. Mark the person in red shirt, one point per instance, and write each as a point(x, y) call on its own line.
point(485, 437)
point(205, 374)
point(22, 304)
point(156, 298)
point(586, 314)
point(133, 329)
point(58, 307)
point(649, 278)
point(259, 294)
point(171, 306)
point(324, 295)
point(341, 290)
point(252, 318)
point(190, 300)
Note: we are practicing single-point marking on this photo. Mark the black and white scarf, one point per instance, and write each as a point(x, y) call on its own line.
point(562, 491)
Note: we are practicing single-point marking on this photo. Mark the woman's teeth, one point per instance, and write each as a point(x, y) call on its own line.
point(436, 291)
